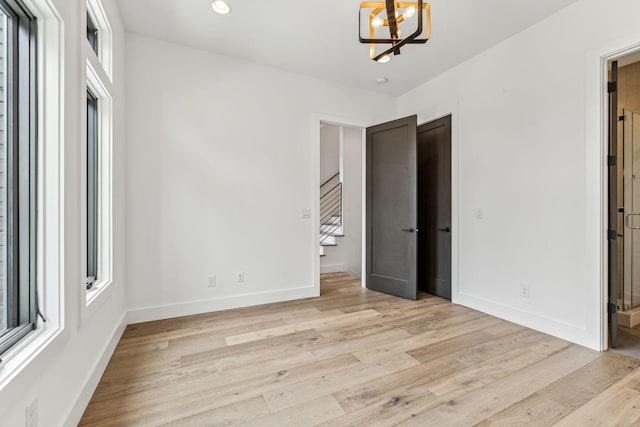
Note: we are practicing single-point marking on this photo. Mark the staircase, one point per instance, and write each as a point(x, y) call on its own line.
point(330, 212)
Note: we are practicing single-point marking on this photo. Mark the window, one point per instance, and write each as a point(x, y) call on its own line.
point(92, 34)
point(98, 243)
point(97, 257)
point(18, 299)
point(99, 36)
point(92, 189)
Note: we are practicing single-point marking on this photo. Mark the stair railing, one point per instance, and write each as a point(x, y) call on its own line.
point(330, 207)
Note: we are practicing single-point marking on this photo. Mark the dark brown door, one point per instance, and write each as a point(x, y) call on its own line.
point(434, 207)
point(391, 208)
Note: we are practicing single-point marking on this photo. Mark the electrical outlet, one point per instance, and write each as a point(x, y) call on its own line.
point(32, 414)
point(240, 276)
point(524, 291)
point(211, 281)
point(305, 213)
point(479, 213)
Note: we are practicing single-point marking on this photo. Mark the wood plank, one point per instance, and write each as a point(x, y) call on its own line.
point(399, 386)
point(302, 415)
point(351, 318)
point(557, 400)
point(330, 382)
point(475, 406)
point(478, 375)
point(206, 394)
point(252, 351)
point(389, 412)
point(428, 338)
point(449, 346)
point(619, 405)
point(356, 357)
point(197, 377)
point(355, 344)
point(236, 413)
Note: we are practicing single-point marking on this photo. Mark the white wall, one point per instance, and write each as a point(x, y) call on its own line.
point(220, 162)
point(329, 152)
point(347, 256)
point(521, 114)
point(62, 376)
point(352, 187)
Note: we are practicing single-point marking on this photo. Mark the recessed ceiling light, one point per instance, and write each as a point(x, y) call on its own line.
point(221, 7)
point(382, 80)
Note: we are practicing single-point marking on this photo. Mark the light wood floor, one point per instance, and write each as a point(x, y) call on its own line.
point(357, 357)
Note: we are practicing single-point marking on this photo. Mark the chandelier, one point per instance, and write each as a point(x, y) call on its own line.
point(391, 14)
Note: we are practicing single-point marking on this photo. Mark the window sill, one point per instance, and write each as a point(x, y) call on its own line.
point(29, 348)
point(94, 299)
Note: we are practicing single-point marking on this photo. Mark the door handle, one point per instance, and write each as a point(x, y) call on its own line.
point(446, 229)
point(408, 230)
point(628, 223)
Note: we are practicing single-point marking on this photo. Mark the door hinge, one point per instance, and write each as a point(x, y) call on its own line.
point(612, 160)
point(621, 118)
point(612, 308)
point(612, 234)
point(612, 87)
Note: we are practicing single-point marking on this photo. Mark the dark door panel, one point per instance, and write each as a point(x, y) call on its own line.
point(434, 207)
point(391, 207)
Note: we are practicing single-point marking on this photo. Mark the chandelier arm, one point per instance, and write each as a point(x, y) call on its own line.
point(393, 48)
point(396, 46)
point(393, 22)
point(391, 18)
point(412, 39)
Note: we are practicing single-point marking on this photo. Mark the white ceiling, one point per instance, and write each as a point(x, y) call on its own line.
point(320, 38)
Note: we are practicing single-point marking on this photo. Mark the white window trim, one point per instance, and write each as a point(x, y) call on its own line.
point(50, 239)
point(100, 290)
point(105, 36)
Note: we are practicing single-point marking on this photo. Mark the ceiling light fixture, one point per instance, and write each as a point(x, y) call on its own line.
point(221, 7)
point(391, 14)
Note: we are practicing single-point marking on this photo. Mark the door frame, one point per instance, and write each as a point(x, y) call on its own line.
point(596, 185)
point(445, 109)
point(317, 121)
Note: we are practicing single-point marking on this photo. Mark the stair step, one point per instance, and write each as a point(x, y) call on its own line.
point(327, 240)
point(332, 220)
point(336, 234)
point(330, 229)
point(328, 244)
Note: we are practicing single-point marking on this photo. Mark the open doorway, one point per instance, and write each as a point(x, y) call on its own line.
point(624, 204)
point(340, 200)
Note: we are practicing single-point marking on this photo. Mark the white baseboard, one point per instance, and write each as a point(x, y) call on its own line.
point(332, 268)
point(96, 373)
point(148, 314)
point(565, 331)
